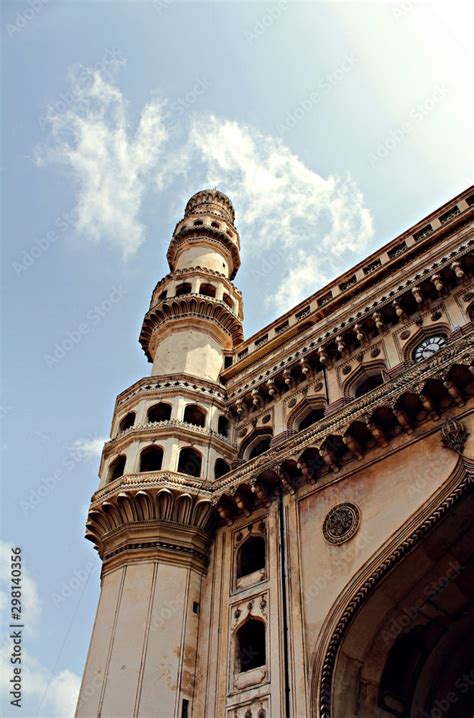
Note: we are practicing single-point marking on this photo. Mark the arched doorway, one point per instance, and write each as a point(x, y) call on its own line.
point(404, 644)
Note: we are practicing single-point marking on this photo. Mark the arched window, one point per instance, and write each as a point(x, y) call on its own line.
point(198, 222)
point(151, 458)
point(310, 418)
point(117, 467)
point(367, 384)
point(228, 300)
point(250, 645)
point(159, 412)
point(193, 414)
point(189, 462)
point(215, 224)
point(223, 425)
point(221, 467)
point(251, 556)
point(183, 288)
point(255, 444)
point(163, 295)
point(262, 445)
point(127, 421)
point(208, 290)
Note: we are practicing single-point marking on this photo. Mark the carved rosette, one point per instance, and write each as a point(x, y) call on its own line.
point(454, 435)
point(341, 523)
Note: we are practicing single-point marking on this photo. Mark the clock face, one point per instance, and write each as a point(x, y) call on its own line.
point(428, 347)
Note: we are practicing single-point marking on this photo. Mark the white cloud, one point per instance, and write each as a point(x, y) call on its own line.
point(56, 693)
point(92, 138)
point(310, 227)
point(89, 448)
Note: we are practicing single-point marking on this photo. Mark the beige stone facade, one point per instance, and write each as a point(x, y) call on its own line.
point(285, 522)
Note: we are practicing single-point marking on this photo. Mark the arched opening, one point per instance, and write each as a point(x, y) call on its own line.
point(227, 299)
point(159, 412)
point(221, 467)
point(151, 458)
point(207, 289)
point(223, 425)
point(183, 288)
point(127, 421)
point(260, 446)
point(250, 645)
point(194, 414)
point(406, 651)
point(255, 444)
point(311, 417)
point(117, 467)
point(163, 295)
point(251, 556)
point(368, 383)
point(189, 462)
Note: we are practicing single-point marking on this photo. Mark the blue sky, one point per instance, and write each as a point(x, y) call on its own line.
point(331, 126)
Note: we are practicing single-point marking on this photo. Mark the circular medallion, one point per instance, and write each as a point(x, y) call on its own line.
point(347, 369)
point(266, 419)
point(292, 402)
point(242, 432)
point(341, 523)
point(375, 352)
point(318, 386)
point(405, 334)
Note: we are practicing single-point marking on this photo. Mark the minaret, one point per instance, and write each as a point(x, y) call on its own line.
point(152, 518)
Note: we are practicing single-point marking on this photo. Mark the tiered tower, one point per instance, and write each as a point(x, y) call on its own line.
point(151, 519)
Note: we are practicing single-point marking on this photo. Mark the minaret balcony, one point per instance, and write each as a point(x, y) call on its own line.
point(187, 232)
point(172, 427)
point(187, 306)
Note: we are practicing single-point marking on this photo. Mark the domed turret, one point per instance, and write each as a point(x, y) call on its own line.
point(211, 201)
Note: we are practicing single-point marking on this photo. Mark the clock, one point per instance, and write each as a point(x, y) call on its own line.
point(428, 347)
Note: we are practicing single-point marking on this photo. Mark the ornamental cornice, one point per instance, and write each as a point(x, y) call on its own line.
point(169, 383)
point(215, 237)
point(321, 313)
point(153, 480)
point(386, 395)
point(202, 271)
point(189, 306)
point(321, 342)
point(165, 428)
